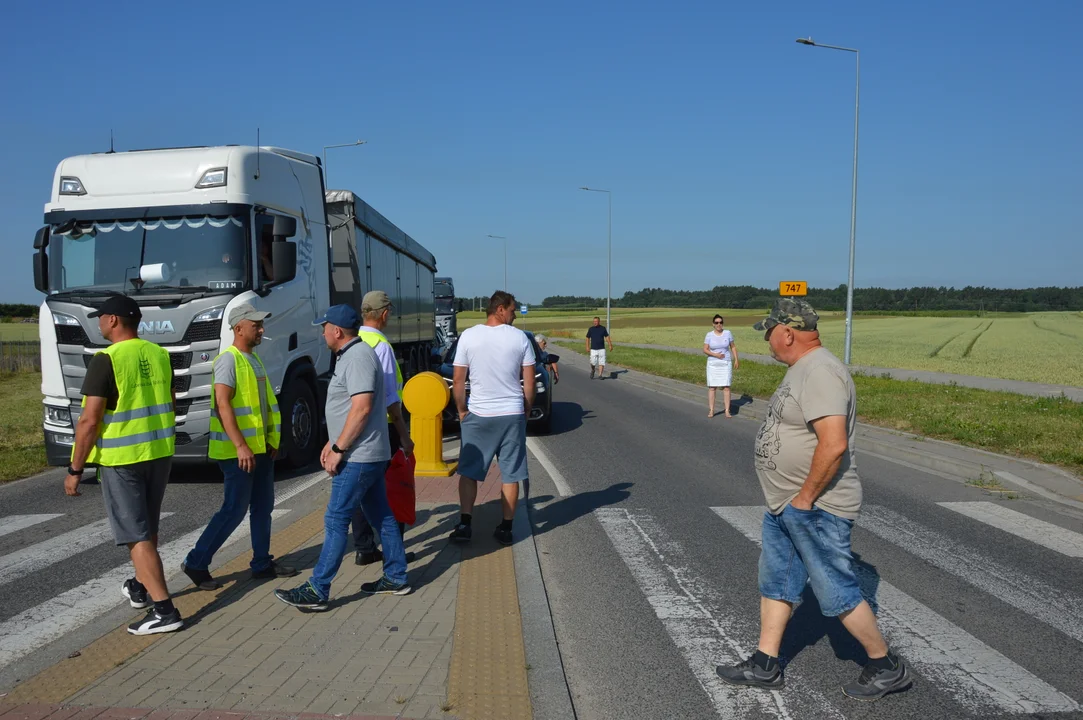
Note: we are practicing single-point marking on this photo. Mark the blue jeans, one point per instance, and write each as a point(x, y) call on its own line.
point(803, 546)
point(243, 491)
point(358, 484)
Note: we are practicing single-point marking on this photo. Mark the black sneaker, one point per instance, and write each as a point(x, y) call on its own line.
point(202, 579)
point(874, 683)
point(751, 674)
point(503, 536)
point(383, 586)
point(462, 533)
point(274, 570)
point(304, 597)
point(367, 558)
point(136, 594)
point(154, 623)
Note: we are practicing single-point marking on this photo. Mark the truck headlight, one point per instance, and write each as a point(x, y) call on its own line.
point(211, 314)
point(57, 416)
point(62, 319)
point(215, 177)
point(71, 186)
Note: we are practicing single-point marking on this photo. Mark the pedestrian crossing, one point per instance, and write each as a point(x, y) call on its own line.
point(70, 608)
point(980, 678)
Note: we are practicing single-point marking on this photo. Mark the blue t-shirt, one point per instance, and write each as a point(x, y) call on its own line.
point(597, 335)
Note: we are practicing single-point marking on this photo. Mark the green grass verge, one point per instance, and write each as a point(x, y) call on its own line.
point(22, 449)
point(19, 332)
point(1045, 429)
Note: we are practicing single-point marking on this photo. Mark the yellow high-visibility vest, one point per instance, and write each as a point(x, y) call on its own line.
point(142, 426)
point(372, 339)
point(247, 410)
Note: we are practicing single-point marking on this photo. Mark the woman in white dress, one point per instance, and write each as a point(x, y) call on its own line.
point(721, 354)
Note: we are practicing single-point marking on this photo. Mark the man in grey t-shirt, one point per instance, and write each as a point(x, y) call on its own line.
point(356, 455)
point(805, 463)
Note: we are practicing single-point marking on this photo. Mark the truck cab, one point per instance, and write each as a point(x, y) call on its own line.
point(447, 325)
point(189, 233)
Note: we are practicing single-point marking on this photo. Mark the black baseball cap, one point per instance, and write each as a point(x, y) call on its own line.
point(119, 305)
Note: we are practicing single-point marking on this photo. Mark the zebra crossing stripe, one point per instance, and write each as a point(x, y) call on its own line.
point(977, 676)
point(52, 619)
point(1022, 526)
point(61, 547)
point(1056, 608)
point(15, 523)
point(704, 628)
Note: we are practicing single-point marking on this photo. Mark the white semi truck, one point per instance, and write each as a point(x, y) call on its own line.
point(190, 233)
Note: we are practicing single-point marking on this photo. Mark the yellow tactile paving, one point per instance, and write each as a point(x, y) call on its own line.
point(488, 677)
point(71, 675)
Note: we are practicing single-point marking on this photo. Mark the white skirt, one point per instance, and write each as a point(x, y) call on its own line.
point(720, 374)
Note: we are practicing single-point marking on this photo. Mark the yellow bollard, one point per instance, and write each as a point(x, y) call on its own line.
point(425, 396)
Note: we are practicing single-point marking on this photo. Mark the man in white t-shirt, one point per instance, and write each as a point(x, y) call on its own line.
point(499, 361)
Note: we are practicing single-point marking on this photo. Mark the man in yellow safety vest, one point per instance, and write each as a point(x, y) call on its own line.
point(245, 429)
point(126, 428)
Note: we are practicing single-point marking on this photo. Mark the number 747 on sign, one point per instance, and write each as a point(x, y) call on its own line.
point(793, 287)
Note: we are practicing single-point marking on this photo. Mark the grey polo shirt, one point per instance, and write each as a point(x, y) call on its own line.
point(357, 371)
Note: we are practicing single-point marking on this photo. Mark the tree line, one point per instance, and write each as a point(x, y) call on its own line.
point(18, 310)
point(916, 299)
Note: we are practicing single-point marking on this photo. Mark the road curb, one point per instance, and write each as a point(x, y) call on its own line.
point(948, 460)
point(549, 693)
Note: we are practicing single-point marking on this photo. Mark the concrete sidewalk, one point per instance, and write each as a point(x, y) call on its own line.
point(452, 648)
point(1018, 387)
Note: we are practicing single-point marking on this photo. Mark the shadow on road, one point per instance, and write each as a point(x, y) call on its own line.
point(568, 417)
point(545, 517)
point(808, 623)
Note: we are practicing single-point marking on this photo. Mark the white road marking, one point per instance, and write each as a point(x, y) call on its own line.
point(563, 488)
point(15, 523)
point(61, 547)
point(52, 619)
point(977, 676)
point(703, 640)
point(1057, 608)
point(1023, 526)
point(300, 486)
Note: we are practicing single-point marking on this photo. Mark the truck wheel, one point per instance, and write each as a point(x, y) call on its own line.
point(300, 424)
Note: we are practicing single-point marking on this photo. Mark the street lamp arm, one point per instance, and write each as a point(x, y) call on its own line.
point(810, 42)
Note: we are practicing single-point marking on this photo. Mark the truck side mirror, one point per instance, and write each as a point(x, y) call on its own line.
point(284, 227)
point(283, 258)
point(41, 260)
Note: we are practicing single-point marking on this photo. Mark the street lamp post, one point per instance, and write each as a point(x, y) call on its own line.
point(609, 257)
point(501, 237)
point(328, 147)
point(853, 194)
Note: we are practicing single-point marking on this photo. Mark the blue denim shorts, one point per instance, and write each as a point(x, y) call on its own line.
point(809, 546)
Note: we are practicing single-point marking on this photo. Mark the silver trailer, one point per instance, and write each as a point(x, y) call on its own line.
point(368, 252)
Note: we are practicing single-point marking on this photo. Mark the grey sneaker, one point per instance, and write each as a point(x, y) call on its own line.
point(751, 674)
point(874, 683)
point(383, 586)
point(304, 597)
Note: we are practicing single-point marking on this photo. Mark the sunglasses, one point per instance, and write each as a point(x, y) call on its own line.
point(717, 322)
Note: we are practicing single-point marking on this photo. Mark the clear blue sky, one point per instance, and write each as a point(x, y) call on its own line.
point(727, 145)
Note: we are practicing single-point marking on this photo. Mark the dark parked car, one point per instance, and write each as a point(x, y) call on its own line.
point(541, 414)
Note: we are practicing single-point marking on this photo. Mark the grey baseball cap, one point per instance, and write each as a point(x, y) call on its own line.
point(795, 312)
point(246, 311)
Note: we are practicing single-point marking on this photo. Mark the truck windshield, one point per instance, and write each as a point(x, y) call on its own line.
point(208, 253)
point(442, 289)
point(445, 306)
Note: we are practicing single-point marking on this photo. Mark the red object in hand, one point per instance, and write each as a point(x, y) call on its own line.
point(400, 487)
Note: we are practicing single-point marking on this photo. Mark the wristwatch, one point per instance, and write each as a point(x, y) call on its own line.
point(336, 449)
point(73, 471)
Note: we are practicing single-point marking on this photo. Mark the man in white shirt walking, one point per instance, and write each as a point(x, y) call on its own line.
point(499, 362)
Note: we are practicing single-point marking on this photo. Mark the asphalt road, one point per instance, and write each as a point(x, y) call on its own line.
point(645, 522)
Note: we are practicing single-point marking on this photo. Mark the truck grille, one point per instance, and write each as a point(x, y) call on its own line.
point(182, 439)
point(183, 406)
point(203, 331)
point(181, 383)
point(71, 335)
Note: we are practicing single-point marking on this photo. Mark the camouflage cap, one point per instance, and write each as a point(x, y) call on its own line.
point(795, 312)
